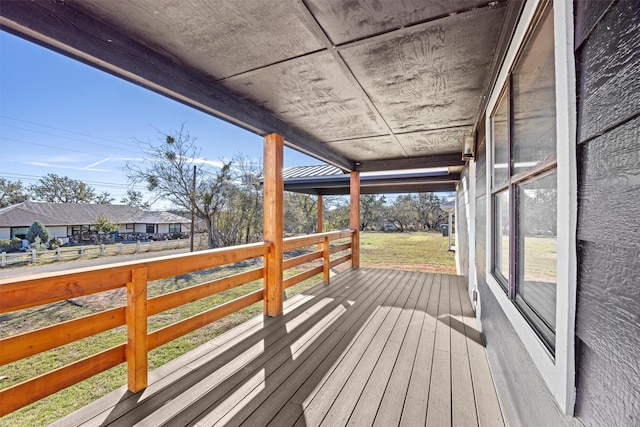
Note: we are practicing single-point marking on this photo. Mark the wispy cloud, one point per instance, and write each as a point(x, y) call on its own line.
point(61, 166)
point(201, 161)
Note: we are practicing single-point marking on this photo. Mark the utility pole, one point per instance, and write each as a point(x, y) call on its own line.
point(193, 208)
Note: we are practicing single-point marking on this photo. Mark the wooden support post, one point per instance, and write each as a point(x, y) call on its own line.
point(326, 260)
point(355, 219)
point(319, 228)
point(136, 317)
point(273, 223)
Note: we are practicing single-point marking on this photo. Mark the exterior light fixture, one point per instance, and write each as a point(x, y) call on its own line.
point(468, 145)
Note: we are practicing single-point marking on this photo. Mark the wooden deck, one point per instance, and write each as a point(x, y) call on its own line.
point(376, 347)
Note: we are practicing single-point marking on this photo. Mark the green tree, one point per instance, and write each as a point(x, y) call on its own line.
point(37, 230)
point(402, 213)
point(337, 214)
point(135, 199)
point(106, 225)
point(11, 192)
point(103, 198)
point(62, 189)
point(428, 211)
point(372, 209)
point(300, 213)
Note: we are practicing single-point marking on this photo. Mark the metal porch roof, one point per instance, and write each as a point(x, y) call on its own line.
point(332, 181)
point(360, 84)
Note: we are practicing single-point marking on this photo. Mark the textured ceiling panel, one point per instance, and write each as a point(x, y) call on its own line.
point(429, 76)
point(314, 93)
point(382, 82)
point(419, 144)
point(219, 37)
point(369, 148)
point(346, 20)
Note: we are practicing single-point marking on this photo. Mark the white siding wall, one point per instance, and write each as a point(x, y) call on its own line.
point(5, 233)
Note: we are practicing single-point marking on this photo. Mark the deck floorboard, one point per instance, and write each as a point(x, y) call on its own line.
point(376, 347)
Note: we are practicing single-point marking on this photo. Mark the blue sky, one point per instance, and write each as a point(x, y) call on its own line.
point(60, 116)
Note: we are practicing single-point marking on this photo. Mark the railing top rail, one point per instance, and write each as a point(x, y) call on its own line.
point(311, 239)
point(44, 288)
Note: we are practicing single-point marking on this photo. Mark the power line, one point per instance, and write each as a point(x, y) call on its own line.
point(68, 131)
point(50, 146)
point(33, 178)
point(70, 139)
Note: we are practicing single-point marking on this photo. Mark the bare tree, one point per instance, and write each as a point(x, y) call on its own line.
point(168, 173)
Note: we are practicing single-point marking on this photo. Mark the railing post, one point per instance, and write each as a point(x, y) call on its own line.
point(101, 249)
point(166, 244)
point(119, 248)
point(273, 224)
point(4, 259)
point(58, 256)
point(326, 260)
point(354, 219)
point(138, 246)
point(81, 251)
point(136, 317)
point(34, 256)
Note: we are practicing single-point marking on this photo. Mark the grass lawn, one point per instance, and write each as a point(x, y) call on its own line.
point(412, 250)
point(423, 251)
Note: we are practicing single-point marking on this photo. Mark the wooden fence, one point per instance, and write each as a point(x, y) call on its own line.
point(74, 252)
point(42, 289)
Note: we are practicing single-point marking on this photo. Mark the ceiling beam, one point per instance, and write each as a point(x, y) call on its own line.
point(68, 30)
point(436, 161)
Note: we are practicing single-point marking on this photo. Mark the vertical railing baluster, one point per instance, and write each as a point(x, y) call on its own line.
point(136, 317)
point(326, 260)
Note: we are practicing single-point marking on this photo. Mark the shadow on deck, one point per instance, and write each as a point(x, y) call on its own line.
point(381, 347)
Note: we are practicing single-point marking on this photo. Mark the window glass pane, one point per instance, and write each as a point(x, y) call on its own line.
point(537, 257)
point(534, 101)
point(501, 237)
point(19, 232)
point(500, 125)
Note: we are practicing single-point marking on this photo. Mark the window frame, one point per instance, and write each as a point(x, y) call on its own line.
point(558, 373)
point(172, 228)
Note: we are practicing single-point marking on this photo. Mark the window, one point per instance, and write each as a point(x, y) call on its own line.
point(129, 227)
point(151, 228)
point(175, 228)
point(524, 182)
point(19, 232)
point(80, 229)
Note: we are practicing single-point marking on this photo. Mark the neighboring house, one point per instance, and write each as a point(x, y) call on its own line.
point(76, 221)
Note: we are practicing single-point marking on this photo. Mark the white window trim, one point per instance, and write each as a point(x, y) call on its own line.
point(558, 374)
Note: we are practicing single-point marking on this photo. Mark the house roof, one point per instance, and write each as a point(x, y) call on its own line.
point(361, 85)
point(330, 180)
point(67, 214)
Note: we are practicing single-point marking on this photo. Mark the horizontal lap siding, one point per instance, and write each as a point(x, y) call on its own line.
point(608, 314)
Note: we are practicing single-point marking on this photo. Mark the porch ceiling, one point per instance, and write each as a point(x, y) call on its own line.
point(363, 85)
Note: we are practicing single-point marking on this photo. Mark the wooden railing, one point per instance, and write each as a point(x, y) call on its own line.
point(37, 290)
